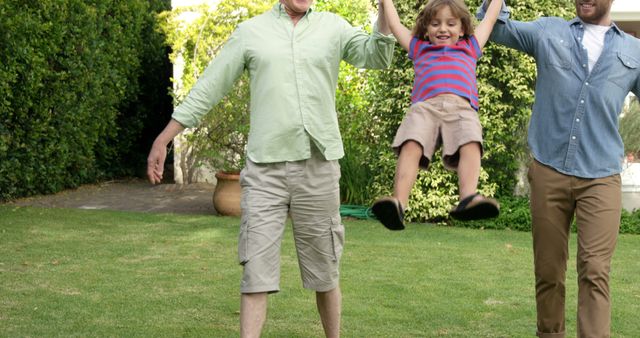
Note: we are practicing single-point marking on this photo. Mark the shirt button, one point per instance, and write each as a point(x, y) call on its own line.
point(573, 137)
point(577, 120)
point(584, 66)
point(586, 83)
point(581, 101)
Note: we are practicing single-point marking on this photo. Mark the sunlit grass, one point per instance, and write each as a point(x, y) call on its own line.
point(123, 274)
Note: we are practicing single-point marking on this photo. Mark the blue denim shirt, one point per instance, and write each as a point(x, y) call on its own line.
point(574, 120)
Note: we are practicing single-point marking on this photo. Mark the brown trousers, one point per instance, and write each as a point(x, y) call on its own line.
point(596, 204)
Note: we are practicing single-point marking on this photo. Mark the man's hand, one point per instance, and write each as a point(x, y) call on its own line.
point(158, 152)
point(383, 23)
point(155, 162)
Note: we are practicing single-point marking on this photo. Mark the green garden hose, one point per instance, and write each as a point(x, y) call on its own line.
point(356, 211)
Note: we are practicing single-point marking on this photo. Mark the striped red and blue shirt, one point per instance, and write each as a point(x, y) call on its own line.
point(441, 69)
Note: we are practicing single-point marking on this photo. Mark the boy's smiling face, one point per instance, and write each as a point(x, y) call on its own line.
point(444, 28)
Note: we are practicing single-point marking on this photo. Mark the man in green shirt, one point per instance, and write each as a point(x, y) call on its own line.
point(292, 54)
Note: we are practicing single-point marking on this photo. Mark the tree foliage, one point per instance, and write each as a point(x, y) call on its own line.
point(371, 104)
point(69, 83)
point(630, 127)
point(219, 141)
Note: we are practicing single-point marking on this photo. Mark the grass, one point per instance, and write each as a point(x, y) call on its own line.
point(87, 273)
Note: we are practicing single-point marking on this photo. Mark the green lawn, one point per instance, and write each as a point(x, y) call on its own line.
point(123, 274)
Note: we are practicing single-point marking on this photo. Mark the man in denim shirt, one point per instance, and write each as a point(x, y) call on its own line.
point(586, 67)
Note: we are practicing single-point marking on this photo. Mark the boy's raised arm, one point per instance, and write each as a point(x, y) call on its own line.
point(402, 33)
point(483, 31)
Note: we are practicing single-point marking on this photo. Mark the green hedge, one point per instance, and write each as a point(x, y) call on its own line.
point(78, 81)
point(516, 215)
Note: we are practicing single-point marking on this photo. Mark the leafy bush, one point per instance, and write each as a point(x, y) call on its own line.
point(516, 215)
point(371, 104)
point(630, 127)
point(505, 84)
point(630, 222)
point(70, 70)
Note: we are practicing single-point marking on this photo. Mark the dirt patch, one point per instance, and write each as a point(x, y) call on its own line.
point(131, 195)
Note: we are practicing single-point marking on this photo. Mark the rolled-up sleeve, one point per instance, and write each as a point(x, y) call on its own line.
point(502, 17)
point(363, 50)
point(514, 34)
point(214, 83)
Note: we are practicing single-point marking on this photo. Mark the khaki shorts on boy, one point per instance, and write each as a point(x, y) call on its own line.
point(309, 192)
point(446, 120)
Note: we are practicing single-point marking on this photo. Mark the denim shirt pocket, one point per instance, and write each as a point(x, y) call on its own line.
point(620, 71)
point(559, 52)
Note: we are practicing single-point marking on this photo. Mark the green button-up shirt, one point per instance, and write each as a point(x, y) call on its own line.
point(294, 73)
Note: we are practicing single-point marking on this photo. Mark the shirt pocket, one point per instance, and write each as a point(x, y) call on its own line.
point(321, 53)
point(621, 70)
point(559, 53)
point(337, 237)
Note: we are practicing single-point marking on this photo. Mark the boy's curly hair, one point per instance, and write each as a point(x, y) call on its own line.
point(458, 9)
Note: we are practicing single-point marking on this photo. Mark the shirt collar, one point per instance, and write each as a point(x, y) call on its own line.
point(279, 10)
point(578, 21)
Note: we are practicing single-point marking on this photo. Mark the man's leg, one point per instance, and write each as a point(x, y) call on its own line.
point(253, 312)
point(599, 204)
point(264, 212)
point(318, 233)
point(551, 214)
point(329, 306)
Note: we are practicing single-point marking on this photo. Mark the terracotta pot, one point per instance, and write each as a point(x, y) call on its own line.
point(226, 196)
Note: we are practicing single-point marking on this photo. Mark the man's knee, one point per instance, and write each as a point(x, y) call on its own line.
point(594, 271)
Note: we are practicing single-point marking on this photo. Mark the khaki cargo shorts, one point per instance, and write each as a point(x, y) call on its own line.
point(307, 191)
point(446, 120)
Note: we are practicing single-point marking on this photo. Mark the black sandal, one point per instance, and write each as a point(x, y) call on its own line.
point(389, 212)
point(468, 209)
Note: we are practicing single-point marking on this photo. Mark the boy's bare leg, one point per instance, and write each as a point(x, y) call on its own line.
point(330, 308)
point(406, 171)
point(253, 313)
point(469, 169)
